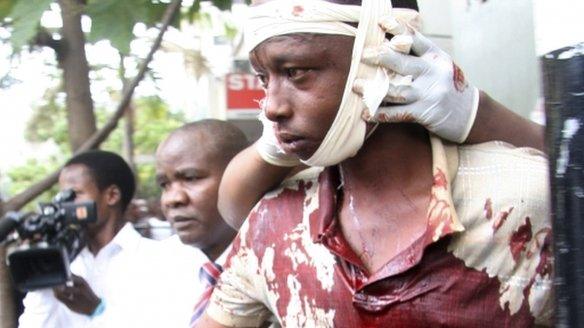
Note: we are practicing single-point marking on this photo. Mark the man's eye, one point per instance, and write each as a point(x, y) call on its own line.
point(263, 80)
point(191, 178)
point(296, 73)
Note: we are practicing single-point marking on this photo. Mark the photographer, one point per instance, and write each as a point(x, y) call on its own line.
point(112, 273)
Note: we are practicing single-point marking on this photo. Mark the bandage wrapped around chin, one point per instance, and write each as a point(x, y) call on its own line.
point(279, 17)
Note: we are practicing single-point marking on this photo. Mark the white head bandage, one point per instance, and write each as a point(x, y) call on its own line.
point(347, 132)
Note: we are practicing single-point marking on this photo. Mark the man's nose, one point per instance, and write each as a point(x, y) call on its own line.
point(174, 196)
point(276, 105)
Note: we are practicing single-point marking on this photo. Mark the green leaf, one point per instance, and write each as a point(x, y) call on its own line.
point(49, 120)
point(114, 20)
point(230, 30)
point(193, 10)
point(154, 11)
point(24, 176)
point(5, 8)
point(203, 20)
point(26, 16)
point(222, 4)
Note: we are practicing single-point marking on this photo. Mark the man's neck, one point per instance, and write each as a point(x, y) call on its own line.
point(105, 234)
point(394, 151)
point(386, 190)
point(214, 251)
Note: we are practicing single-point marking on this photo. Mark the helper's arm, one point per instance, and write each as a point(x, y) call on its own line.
point(495, 122)
point(245, 180)
point(439, 90)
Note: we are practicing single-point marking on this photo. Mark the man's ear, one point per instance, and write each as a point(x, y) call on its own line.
point(113, 195)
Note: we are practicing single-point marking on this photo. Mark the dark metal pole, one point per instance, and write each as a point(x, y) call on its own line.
point(563, 78)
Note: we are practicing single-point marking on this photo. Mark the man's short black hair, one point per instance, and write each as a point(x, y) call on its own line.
point(108, 169)
point(410, 4)
point(224, 140)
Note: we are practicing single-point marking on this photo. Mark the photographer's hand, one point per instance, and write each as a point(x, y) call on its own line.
point(78, 298)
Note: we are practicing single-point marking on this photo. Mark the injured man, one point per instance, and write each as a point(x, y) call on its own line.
point(393, 222)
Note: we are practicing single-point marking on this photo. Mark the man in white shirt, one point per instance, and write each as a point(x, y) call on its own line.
point(189, 167)
point(115, 276)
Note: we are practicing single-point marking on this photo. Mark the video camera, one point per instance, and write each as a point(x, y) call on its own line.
point(45, 243)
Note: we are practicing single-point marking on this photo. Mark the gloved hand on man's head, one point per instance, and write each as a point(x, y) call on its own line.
point(432, 91)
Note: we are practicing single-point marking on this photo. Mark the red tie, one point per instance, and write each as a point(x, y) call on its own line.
point(209, 273)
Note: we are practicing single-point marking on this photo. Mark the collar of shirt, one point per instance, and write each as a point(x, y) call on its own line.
point(442, 217)
point(127, 238)
point(219, 261)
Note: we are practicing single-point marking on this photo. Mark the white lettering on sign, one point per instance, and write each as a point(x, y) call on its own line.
point(243, 82)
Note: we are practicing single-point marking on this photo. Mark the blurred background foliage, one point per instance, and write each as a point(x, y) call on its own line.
point(153, 122)
point(55, 119)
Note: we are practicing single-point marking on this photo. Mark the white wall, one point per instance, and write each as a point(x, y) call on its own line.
point(493, 42)
point(558, 24)
point(437, 22)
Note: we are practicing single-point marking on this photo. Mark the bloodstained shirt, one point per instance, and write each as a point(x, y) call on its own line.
point(484, 261)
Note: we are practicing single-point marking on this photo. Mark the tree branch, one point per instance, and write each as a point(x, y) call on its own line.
point(17, 202)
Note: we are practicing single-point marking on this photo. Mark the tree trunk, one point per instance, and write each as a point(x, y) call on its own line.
point(7, 309)
point(73, 61)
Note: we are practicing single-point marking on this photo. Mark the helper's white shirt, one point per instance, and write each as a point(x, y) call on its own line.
point(186, 287)
point(188, 261)
point(143, 283)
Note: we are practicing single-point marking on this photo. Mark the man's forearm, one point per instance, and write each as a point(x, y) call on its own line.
point(245, 180)
point(495, 122)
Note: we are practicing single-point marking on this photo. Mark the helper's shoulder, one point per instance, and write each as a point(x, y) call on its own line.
point(497, 175)
point(498, 184)
point(497, 151)
point(501, 194)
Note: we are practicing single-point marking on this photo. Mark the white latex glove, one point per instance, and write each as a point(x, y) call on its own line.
point(269, 148)
point(437, 96)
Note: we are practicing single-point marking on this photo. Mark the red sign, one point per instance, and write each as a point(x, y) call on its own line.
point(244, 91)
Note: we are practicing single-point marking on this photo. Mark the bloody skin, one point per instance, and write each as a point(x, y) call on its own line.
point(304, 76)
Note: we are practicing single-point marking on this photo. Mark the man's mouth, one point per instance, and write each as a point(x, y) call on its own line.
point(181, 218)
point(181, 222)
point(291, 143)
